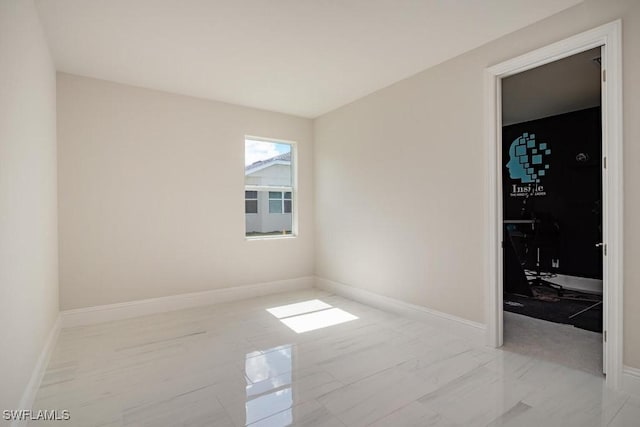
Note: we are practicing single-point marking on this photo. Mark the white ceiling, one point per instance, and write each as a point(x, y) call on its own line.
point(570, 84)
point(302, 57)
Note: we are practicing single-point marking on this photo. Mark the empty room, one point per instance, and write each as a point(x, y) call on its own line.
point(319, 213)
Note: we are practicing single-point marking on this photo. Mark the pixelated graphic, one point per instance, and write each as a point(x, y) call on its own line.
point(527, 159)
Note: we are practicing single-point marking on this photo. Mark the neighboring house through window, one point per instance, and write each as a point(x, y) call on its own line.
point(269, 187)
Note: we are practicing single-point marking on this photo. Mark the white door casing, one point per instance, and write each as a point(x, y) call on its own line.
point(609, 37)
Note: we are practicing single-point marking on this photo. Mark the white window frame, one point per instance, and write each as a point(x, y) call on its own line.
point(293, 188)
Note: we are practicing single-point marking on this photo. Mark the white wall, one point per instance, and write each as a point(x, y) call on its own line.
point(417, 232)
point(28, 218)
point(151, 194)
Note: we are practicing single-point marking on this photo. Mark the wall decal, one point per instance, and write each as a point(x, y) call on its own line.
point(528, 163)
point(526, 159)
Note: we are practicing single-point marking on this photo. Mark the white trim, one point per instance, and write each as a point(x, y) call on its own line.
point(267, 187)
point(609, 36)
point(30, 391)
point(631, 380)
point(267, 139)
point(270, 237)
point(294, 180)
point(130, 309)
point(473, 331)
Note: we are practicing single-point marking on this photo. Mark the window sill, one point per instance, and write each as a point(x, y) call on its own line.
point(277, 237)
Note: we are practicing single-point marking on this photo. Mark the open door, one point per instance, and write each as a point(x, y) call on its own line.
point(610, 245)
point(552, 197)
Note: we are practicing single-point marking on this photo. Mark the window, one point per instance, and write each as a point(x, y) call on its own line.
point(269, 188)
point(278, 203)
point(251, 202)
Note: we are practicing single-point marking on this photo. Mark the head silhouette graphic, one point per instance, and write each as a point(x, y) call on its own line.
point(526, 159)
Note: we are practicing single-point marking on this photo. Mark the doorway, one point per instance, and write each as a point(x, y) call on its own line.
point(552, 211)
point(609, 38)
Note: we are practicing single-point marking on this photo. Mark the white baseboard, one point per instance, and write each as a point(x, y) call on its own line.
point(30, 391)
point(471, 330)
point(631, 380)
point(130, 309)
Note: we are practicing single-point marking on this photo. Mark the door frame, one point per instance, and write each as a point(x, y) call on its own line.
point(609, 36)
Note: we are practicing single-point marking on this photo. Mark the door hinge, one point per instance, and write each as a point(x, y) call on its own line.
point(605, 249)
point(604, 75)
point(502, 244)
point(604, 336)
point(604, 162)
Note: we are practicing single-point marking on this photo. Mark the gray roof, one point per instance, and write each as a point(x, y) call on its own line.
point(286, 157)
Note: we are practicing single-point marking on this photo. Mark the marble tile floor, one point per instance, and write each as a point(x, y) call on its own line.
point(237, 364)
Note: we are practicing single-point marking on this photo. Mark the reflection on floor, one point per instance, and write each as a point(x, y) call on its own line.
point(563, 344)
point(238, 364)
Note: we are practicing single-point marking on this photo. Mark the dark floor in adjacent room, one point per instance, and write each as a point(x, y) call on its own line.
point(547, 305)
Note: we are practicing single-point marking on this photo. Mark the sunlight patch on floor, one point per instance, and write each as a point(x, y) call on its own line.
point(310, 315)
